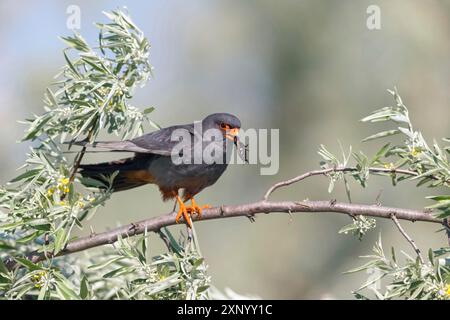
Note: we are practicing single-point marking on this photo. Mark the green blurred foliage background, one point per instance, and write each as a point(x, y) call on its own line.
point(310, 68)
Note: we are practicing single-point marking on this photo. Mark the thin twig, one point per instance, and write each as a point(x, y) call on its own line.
point(447, 229)
point(377, 199)
point(80, 156)
point(407, 237)
point(330, 170)
point(165, 239)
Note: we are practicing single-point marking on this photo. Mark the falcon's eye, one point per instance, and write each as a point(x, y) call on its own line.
point(224, 126)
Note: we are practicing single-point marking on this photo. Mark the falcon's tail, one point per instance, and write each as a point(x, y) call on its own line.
point(131, 173)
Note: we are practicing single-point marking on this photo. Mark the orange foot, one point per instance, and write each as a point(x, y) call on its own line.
point(188, 211)
point(194, 208)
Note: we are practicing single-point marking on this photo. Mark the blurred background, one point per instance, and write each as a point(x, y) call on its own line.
point(310, 68)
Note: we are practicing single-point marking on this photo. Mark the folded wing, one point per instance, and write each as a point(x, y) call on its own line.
point(158, 142)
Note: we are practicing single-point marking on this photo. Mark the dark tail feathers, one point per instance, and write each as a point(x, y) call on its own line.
point(131, 173)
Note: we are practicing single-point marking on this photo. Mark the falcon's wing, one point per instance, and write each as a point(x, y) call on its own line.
point(157, 142)
point(160, 142)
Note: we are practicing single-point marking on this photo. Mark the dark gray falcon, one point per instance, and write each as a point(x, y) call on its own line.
point(153, 161)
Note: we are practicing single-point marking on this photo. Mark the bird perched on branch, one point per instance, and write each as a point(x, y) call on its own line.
point(156, 156)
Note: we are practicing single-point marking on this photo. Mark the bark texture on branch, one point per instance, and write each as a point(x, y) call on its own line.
point(332, 170)
point(244, 210)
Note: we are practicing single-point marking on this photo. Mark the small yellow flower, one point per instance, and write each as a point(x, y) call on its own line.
point(50, 191)
point(389, 165)
point(63, 185)
point(80, 204)
point(415, 151)
point(447, 290)
point(62, 203)
point(103, 90)
point(64, 181)
point(39, 279)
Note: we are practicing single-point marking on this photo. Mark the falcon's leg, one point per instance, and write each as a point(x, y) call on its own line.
point(196, 209)
point(183, 211)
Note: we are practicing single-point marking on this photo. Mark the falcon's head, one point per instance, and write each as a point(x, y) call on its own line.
point(227, 123)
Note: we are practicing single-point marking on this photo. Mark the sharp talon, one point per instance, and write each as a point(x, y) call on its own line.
point(187, 212)
point(197, 209)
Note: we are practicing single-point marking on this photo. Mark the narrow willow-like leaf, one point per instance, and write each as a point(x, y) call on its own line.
point(381, 135)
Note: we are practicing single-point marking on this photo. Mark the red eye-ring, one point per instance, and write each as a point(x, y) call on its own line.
point(223, 125)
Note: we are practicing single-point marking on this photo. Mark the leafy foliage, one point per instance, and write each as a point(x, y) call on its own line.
point(45, 203)
point(127, 272)
point(93, 90)
point(360, 226)
point(429, 163)
point(412, 280)
point(412, 160)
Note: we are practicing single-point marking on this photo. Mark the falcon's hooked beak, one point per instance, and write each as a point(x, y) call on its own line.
point(230, 133)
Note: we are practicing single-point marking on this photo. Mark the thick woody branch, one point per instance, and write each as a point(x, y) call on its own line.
point(249, 210)
point(244, 210)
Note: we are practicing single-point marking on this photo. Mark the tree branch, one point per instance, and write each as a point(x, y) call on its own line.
point(330, 170)
point(155, 224)
point(248, 210)
point(447, 229)
point(80, 155)
point(408, 238)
